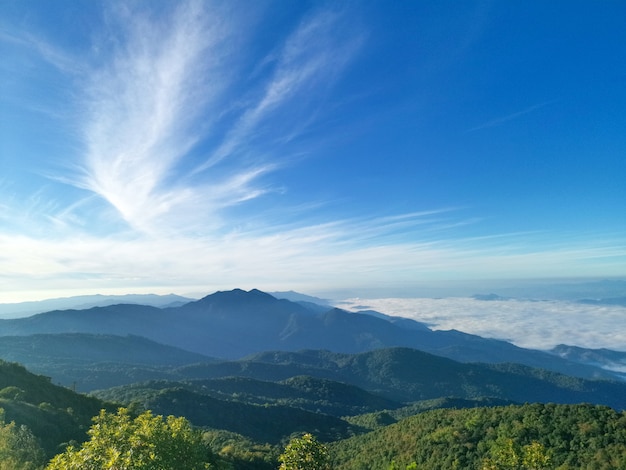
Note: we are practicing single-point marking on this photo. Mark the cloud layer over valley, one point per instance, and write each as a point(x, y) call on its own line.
point(526, 323)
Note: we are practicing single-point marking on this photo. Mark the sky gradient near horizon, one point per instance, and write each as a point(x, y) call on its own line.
point(161, 146)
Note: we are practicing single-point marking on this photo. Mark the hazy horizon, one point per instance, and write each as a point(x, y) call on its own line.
point(535, 289)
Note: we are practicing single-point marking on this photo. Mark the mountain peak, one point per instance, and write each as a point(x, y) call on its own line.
point(258, 292)
point(253, 295)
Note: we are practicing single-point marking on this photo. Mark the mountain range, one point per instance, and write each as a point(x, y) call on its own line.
point(397, 381)
point(234, 324)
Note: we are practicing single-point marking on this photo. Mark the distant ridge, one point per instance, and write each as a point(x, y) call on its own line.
point(298, 297)
point(605, 358)
point(489, 297)
point(82, 302)
point(621, 301)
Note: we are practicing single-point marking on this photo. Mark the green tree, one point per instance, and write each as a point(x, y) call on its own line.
point(147, 442)
point(305, 453)
point(506, 455)
point(535, 457)
point(19, 449)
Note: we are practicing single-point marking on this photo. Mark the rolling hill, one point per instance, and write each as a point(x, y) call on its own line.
point(406, 375)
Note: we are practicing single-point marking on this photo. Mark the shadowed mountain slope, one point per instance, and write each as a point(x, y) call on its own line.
point(54, 414)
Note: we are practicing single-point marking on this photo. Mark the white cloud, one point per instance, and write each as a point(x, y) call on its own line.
point(172, 139)
point(351, 254)
point(529, 324)
point(159, 96)
point(140, 108)
point(311, 57)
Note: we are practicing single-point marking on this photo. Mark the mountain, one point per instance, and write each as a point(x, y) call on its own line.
point(620, 301)
point(304, 392)
point(605, 358)
point(81, 302)
point(261, 410)
point(87, 361)
point(284, 390)
point(237, 323)
point(76, 348)
point(298, 297)
point(407, 375)
point(572, 291)
point(489, 297)
point(262, 423)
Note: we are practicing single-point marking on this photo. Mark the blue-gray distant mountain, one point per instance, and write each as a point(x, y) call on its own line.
point(619, 301)
point(489, 297)
point(237, 323)
point(298, 297)
point(81, 302)
point(605, 358)
point(85, 348)
point(87, 361)
point(572, 291)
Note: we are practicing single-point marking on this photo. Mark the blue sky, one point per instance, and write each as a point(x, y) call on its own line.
point(152, 146)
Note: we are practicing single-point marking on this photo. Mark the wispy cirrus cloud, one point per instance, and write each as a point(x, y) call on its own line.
point(151, 103)
point(355, 254)
point(141, 108)
point(311, 57)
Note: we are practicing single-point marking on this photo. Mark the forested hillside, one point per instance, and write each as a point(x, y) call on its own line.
point(557, 436)
point(406, 375)
point(54, 414)
point(245, 424)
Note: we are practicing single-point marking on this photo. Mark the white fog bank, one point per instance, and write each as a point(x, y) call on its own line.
point(529, 324)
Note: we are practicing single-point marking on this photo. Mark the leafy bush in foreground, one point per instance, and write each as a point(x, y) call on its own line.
point(117, 441)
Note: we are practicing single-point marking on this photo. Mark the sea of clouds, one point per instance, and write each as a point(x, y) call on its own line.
point(526, 323)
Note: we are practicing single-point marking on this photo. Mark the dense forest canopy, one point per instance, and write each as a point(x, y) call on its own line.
point(570, 436)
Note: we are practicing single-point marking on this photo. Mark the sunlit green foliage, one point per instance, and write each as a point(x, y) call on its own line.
point(534, 436)
point(147, 442)
point(19, 449)
point(506, 454)
point(379, 419)
point(235, 451)
point(305, 453)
